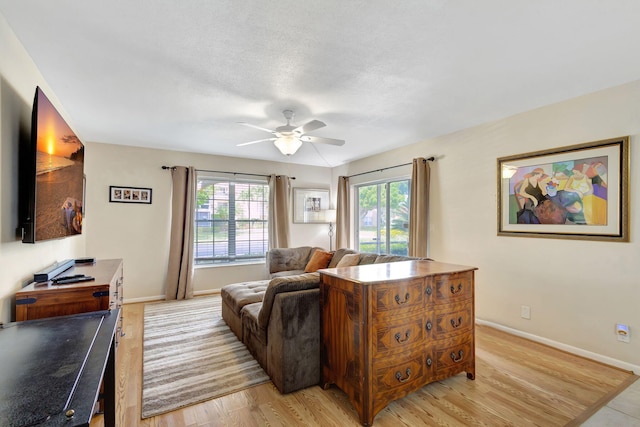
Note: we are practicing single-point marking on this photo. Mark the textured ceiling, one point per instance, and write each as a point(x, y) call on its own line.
point(381, 74)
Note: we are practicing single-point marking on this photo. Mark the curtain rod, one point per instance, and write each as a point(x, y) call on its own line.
point(429, 159)
point(231, 173)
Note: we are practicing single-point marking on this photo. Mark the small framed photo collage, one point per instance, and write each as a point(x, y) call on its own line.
point(129, 195)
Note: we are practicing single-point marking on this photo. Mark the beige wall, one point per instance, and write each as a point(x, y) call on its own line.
point(18, 261)
point(577, 290)
point(140, 233)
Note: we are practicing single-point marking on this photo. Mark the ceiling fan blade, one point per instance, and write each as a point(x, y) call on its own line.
point(255, 142)
point(308, 127)
point(318, 139)
point(255, 127)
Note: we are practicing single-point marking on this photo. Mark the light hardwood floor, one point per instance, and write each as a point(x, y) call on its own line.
point(518, 383)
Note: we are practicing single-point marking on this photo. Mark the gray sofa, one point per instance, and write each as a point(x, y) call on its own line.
point(278, 319)
point(280, 263)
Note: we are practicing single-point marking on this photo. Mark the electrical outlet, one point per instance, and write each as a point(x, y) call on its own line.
point(623, 332)
point(525, 312)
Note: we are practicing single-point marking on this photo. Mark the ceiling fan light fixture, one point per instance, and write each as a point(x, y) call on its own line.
point(289, 138)
point(288, 144)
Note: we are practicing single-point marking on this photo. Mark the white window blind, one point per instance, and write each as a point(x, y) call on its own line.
point(231, 220)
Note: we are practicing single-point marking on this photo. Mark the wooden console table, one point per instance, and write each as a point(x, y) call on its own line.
point(40, 300)
point(52, 369)
point(389, 329)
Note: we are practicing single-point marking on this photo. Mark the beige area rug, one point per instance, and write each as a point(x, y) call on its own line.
point(190, 355)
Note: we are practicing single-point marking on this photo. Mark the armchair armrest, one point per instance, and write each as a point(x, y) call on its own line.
point(293, 351)
point(281, 285)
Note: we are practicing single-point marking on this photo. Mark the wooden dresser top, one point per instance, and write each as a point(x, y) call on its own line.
point(372, 273)
point(102, 270)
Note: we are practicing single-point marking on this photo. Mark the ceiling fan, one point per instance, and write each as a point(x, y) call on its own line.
point(288, 138)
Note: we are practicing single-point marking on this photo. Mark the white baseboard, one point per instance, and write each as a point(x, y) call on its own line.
point(162, 297)
point(206, 292)
point(569, 349)
point(143, 299)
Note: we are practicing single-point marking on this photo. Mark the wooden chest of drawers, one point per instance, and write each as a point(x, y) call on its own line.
point(389, 329)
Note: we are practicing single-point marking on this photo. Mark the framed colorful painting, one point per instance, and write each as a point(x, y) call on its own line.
point(575, 192)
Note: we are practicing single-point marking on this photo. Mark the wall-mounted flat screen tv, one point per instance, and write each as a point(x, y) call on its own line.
point(51, 176)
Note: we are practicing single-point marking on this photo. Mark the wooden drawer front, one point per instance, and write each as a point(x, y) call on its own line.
point(454, 357)
point(453, 320)
point(395, 375)
point(400, 298)
point(402, 336)
point(429, 363)
point(453, 287)
point(62, 302)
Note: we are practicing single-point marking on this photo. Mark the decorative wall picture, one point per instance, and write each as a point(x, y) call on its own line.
point(310, 205)
point(52, 200)
point(574, 192)
point(129, 195)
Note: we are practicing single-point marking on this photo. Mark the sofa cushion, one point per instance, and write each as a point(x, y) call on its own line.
point(286, 259)
point(366, 258)
point(250, 322)
point(337, 256)
point(381, 259)
point(237, 295)
point(349, 260)
point(287, 273)
point(285, 284)
point(319, 259)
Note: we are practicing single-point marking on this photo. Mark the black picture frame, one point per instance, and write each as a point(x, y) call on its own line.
point(126, 194)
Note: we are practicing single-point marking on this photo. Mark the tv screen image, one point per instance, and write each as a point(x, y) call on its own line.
point(58, 167)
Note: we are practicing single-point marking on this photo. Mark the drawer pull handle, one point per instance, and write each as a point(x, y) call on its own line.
point(459, 358)
point(403, 380)
point(456, 325)
point(454, 290)
point(398, 336)
point(429, 290)
point(429, 362)
point(429, 325)
point(406, 299)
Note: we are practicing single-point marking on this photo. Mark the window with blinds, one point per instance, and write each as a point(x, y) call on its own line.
point(231, 220)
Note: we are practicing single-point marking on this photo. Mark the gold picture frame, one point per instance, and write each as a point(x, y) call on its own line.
point(574, 192)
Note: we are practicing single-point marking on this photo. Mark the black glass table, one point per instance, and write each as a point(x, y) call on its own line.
point(51, 370)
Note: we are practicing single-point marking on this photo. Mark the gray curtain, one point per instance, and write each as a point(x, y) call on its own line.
point(180, 269)
point(419, 208)
point(342, 213)
point(278, 211)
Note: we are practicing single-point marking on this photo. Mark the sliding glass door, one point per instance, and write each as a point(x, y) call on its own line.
point(382, 221)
